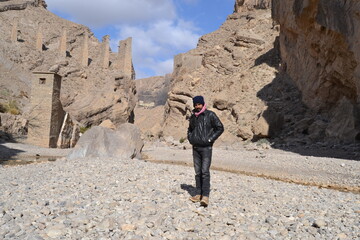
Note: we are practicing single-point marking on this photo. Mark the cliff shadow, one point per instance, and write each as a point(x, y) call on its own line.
point(7, 153)
point(293, 126)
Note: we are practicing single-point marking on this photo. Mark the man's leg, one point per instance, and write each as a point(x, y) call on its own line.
point(197, 166)
point(205, 170)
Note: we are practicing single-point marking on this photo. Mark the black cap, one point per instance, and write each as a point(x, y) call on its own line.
point(198, 99)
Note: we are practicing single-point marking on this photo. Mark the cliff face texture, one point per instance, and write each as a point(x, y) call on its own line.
point(319, 45)
point(96, 83)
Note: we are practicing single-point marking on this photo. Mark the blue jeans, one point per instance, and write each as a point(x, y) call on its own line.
point(202, 162)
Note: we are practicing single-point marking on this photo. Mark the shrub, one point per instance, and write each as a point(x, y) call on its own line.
point(84, 129)
point(10, 107)
point(182, 140)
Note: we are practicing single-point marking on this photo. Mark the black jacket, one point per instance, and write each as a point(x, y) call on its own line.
point(204, 129)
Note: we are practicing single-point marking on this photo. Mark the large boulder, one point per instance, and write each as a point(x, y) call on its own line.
point(125, 142)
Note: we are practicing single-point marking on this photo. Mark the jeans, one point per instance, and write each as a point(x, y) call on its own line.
point(202, 162)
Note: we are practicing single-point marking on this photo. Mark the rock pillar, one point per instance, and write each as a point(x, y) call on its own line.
point(85, 51)
point(106, 51)
point(125, 57)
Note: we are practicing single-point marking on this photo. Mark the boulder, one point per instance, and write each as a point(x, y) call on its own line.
point(124, 142)
point(269, 124)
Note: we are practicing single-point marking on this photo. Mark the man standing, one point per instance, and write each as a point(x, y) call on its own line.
point(204, 128)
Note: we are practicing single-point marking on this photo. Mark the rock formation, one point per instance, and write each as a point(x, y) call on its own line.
point(90, 93)
point(229, 67)
point(320, 52)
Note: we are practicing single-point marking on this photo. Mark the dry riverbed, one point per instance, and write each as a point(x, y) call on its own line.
point(137, 199)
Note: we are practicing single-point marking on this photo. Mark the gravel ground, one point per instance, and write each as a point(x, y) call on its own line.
point(136, 199)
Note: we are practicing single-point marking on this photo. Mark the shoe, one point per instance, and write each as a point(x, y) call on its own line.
point(196, 198)
point(204, 201)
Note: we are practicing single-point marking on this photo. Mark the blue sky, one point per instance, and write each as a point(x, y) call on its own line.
point(160, 29)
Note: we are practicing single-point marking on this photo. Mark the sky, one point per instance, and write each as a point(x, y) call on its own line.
point(160, 29)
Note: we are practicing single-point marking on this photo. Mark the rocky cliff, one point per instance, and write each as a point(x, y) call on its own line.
point(153, 91)
point(94, 87)
point(229, 67)
point(320, 52)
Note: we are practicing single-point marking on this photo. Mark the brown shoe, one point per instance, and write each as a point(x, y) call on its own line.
point(196, 198)
point(204, 201)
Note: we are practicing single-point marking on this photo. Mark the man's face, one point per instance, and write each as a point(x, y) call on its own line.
point(198, 107)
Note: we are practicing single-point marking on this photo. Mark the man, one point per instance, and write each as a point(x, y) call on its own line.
point(204, 128)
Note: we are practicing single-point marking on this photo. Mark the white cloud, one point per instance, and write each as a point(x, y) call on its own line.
point(155, 45)
point(97, 13)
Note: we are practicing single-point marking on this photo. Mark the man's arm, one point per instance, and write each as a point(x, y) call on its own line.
point(217, 126)
point(189, 129)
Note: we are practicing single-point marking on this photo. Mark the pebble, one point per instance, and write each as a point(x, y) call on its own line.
point(319, 223)
point(134, 199)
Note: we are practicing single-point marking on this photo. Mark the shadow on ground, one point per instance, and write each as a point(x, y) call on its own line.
point(7, 153)
point(189, 188)
point(293, 126)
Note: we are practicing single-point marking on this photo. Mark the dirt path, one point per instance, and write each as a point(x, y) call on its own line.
point(270, 163)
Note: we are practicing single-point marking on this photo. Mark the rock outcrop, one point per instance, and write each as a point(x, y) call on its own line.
point(94, 87)
point(320, 52)
point(244, 5)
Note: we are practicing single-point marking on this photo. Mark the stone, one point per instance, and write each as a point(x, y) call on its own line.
point(107, 124)
point(245, 132)
point(128, 227)
point(56, 231)
point(342, 236)
point(319, 223)
point(125, 142)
